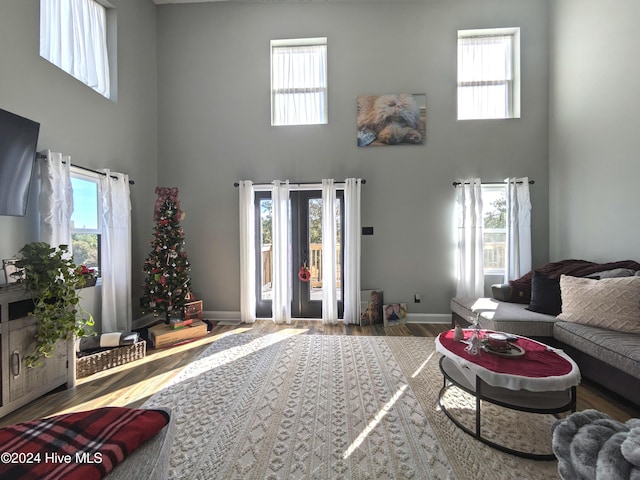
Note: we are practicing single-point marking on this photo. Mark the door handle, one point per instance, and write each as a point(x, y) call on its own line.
point(15, 363)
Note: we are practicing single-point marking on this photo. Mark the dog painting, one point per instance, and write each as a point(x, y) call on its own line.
point(391, 119)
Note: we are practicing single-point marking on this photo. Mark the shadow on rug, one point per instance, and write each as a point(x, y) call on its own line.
point(323, 407)
point(469, 458)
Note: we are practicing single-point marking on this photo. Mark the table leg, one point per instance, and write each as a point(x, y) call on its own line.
point(478, 395)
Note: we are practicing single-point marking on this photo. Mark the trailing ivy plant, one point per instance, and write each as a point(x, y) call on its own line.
point(50, 276)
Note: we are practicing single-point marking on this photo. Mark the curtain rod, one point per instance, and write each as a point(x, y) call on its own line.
point(41, 156)
point(236, 184)
point(455, 184)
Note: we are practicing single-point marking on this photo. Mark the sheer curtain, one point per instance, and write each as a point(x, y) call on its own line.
point(485, 76)
point(518, 228)
point(116, 252)
point(299, 84)
point(329, 245)
point(55, 200)
point(281, 298)
point(470, 275)
point(73, 37)
point(247, 253)
point(351, 277)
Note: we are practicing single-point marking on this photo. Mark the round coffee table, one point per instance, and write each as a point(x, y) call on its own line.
point(541, 381)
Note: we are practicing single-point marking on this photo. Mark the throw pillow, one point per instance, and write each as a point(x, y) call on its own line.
point(545, 294)
point(612, 303)
point(76, 446)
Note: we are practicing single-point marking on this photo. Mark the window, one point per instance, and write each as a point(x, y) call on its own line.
point(488, 74)
point(494, 214)
point(299, 81)
point(86, 225)
point(73, 36)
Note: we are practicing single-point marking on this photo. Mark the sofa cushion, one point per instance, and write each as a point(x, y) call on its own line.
point(521, 287)
point(545, 294)
point(612, 303)
point(504, 316)
point(618, 349)
point(81, 445)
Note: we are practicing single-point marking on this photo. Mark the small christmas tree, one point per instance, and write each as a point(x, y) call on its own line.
point(167, 286)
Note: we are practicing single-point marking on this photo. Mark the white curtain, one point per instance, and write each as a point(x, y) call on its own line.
point(247, 253)
point(281, 297)
point(329, 245)
point(518, 228)
point(299, 84)
point(116, 252)
point(73, 37)
point(470, 276)
point(55, 200)
point(351, 277)
point(485, 76)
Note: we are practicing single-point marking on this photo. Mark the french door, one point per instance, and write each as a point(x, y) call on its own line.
point(305, 252)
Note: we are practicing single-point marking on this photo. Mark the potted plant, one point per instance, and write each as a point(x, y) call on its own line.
point(87, 275)
point(52, 279)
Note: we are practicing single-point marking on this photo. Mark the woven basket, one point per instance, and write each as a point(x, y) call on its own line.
point(107, 359)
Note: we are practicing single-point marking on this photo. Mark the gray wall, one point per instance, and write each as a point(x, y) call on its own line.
point(214, 129)
point(594, 130)
point(95, 131)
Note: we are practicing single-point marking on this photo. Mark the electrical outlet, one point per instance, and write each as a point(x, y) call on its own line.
point(416, 298)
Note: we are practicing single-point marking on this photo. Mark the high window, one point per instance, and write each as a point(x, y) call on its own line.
point(299, 81)
point(494, 215)
point(489, 74)
point(86, 225)
point(73, 36)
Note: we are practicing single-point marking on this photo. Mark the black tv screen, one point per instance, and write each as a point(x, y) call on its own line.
point(18, 144)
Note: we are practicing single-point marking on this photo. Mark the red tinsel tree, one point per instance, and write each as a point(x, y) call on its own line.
point(167, 286)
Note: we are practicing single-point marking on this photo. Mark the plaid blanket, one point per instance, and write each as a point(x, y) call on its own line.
point(84, 445)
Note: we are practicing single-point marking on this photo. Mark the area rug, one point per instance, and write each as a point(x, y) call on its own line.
point(323, 407)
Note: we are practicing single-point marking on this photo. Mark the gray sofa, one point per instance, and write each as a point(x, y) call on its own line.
point(608, 357)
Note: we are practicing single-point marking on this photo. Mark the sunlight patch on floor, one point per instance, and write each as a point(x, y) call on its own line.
point(374, 422)
point(421, 367)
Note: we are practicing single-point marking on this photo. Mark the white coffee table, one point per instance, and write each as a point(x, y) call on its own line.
point(543, 381)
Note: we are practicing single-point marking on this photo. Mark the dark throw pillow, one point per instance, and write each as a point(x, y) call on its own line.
point(545, 294)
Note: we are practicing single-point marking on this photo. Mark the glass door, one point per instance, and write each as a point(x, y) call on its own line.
point(306, 251)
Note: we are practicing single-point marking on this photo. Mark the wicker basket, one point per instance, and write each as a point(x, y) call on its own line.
point(107, 359)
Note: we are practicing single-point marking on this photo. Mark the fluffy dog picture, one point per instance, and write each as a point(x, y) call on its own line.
point(392, 119)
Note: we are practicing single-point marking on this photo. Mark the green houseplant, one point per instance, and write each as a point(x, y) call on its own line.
point(51, 277)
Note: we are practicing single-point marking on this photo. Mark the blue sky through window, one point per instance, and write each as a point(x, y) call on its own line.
point(85, 204)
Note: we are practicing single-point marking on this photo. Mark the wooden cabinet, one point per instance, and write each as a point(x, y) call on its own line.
point(21, 384)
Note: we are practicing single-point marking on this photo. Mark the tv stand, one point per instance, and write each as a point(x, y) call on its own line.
point(21, 384)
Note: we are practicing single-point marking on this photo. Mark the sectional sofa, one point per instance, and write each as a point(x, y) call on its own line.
point(592, 312)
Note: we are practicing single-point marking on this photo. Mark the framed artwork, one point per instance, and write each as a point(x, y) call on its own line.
point(393, 119)
point(371, 307)
point(394, 314)
point(9, 267)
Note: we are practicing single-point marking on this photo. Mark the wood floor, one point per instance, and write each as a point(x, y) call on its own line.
point(130, 385)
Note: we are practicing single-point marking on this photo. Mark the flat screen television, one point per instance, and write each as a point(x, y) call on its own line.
point(18, 144)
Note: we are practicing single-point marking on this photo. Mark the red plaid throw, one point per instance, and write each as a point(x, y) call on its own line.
point(83, 445)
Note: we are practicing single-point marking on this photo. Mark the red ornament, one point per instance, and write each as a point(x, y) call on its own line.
point(304, 274)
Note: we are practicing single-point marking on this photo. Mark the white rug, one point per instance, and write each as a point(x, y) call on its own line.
point(323, 407)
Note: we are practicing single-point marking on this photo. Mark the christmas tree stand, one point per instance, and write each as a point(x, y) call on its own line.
point(162, 335)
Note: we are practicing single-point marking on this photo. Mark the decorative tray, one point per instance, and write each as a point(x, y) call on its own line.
point(512, 351)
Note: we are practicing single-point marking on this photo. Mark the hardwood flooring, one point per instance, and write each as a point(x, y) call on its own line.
point(132, 384)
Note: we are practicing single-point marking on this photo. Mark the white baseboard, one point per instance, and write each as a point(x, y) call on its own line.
point(221, 315)
point(234, 317)
point(429, 318)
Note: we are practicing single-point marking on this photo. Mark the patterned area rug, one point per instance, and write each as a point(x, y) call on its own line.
point(323, 407)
